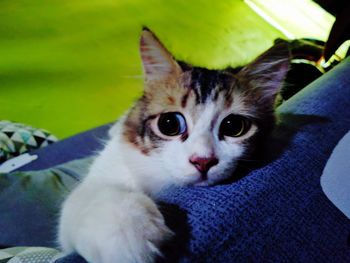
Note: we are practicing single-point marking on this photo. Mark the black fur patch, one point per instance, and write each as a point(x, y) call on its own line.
point(209, 83)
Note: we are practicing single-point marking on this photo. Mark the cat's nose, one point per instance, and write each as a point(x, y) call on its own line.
point(203, 164)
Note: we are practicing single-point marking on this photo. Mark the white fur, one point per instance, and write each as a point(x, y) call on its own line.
point(110, 216)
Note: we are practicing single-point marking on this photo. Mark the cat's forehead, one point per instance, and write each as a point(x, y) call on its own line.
point(193, 92)
point(201, 91)
point(208, 84)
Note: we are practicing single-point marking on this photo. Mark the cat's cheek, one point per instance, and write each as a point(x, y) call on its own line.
point(228, 151)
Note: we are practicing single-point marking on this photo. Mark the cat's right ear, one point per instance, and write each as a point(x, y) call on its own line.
point(267, 72)
point(158, 63)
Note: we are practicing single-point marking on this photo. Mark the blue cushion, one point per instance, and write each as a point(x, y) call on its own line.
point(76, 147)
point(30, 201)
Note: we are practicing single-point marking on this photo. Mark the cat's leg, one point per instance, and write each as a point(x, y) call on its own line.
point(106, 224)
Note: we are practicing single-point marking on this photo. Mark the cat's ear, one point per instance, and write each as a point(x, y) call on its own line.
point(158, 63)
point(266, 73)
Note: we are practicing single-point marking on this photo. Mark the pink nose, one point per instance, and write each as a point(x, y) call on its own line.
point(203, 164)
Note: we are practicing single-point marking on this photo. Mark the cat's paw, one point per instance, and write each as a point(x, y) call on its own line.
point(115, 227)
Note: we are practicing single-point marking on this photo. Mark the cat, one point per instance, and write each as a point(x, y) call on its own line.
point(190, 127)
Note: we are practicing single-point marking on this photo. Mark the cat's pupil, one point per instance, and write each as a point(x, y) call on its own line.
point(233, 126)
point(171, 123)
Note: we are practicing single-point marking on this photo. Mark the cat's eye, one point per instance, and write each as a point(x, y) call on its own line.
point(171, 123)
point(234, 126)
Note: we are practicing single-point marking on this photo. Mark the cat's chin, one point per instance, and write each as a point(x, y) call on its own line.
point(207, 181)
point(203, 183)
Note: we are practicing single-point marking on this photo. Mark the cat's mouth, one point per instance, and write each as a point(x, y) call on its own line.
point(208, 179)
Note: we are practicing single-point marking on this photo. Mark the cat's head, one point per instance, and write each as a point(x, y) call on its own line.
point(192, 125)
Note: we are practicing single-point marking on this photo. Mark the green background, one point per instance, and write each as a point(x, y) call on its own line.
point(67, 66)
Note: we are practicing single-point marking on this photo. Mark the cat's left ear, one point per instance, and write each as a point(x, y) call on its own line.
point(158, 63)
point(266, 74)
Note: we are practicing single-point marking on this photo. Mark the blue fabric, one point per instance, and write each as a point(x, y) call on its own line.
point(79, 146)
point(277, 213)
point(30, 201)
